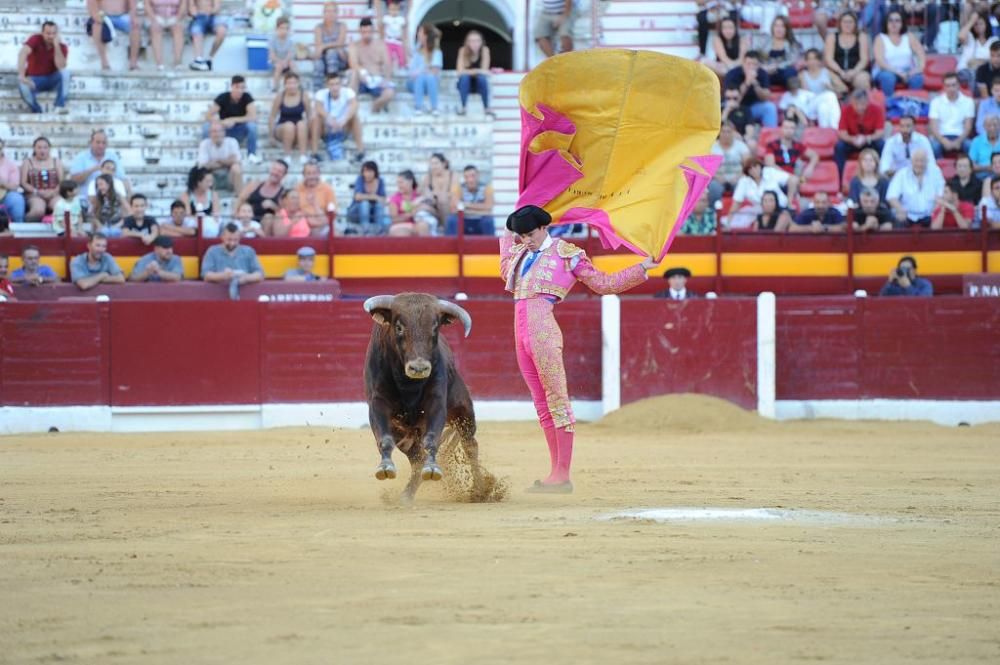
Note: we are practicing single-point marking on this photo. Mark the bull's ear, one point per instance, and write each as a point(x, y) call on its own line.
point(382, 316)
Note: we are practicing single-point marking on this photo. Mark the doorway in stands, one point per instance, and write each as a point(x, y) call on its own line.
point(454, 18)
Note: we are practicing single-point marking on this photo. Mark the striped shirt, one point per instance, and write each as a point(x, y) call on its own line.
point(553, 6)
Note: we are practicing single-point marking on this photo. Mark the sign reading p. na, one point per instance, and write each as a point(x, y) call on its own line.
point(981, 285)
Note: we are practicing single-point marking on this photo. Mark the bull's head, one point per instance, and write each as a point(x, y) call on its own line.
point(412, 321)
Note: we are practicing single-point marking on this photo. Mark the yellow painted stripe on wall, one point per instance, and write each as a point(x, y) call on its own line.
point(482, 265)
point(700, 265)
point(784, 265)
point(993, 262)
point(928, 263)
point(346, 266)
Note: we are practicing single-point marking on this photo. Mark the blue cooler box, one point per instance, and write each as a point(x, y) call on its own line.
point(257, 53)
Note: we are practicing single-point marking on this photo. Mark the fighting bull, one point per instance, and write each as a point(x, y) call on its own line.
point(412, 386)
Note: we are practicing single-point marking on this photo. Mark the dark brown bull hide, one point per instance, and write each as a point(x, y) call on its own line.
point(412, 386)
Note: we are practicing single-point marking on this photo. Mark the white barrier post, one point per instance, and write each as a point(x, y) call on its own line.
point(611, 353)
point(766, 354)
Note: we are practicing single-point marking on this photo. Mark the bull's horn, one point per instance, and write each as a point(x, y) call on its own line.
point(459, 313)
point(378, 302)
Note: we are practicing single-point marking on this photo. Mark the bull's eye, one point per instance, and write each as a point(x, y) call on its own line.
point(399, 328)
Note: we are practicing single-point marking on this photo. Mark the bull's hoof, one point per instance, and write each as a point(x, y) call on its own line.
point(431, 472)
point(385, 471)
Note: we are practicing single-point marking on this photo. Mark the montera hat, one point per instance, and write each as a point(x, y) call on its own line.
point(528, 218)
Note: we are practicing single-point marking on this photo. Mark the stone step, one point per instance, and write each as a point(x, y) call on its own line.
point(648, 22)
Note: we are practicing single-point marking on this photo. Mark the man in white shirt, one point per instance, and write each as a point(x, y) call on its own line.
point(913, 192)
point(220, 154)
point(951, 117)
point(336, 114)
point(734, 152)
point(899, 149)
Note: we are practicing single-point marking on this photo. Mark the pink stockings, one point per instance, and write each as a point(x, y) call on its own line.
point(539, 344)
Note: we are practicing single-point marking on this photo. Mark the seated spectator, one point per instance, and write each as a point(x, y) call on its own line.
point(950, 212)
point(335, 116)
point(264, 195)
point(371, 67)
point(964, 182)
point(231, 263)
point(11, 200)
point(368, 208)
point(989, 106)
point(976, 38)
point(291, 113)
point(991, 203)
point(820, 218)
point(220, 154)
point(472, 66)
point(733, 112)
point(108, 208)
point(710, 13)
point(988, 72)
point(68, 203)
point(236, 111)
point(788, 154)
point(554, 19)
point(41, 67)
point(106, 16)
point(6, 288)
point(290, 220)
point(330, 42)
point(393, 27)
point(772, 216)
point(754, 86)
point(474, 199)
point(160, 265)
point(728, 47)
point(676, 285)
point(903, 280)
point(868, 176)
point(303, 270)
point(899, 57)
point(425, 69)
point(205, 20)
point(750, 189)
point(701, 221)
point(162, 15)
point(862, 125)
point(122, 188)
point(734, 153)
point(817, 79)
point(248, 226)
point(139, 224)
point(403, 207)
point(41, 175)
point(201, 200)
point(783, 52)
point(913, 191)
point(797, 103)
point(317, 199)
point(32, 271)
point(985, 145)
point(985, 178)
point(872, 214)
point(951, 117)
point(87, 165)
point(899, 148)
point(847, 52)
point(437, 187)
point(179, 224)
point(95, 266)
point(281, 51)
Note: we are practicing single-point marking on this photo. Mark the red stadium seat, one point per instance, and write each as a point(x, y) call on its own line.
point(800, 14)
point(824, 179)
point(850, 170)
point(937, 66)
point(820, 139)
point(947, 167)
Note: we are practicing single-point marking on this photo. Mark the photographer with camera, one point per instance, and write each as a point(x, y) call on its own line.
point(903, 280)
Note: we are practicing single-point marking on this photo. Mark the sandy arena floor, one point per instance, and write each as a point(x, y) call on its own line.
point(278, 547)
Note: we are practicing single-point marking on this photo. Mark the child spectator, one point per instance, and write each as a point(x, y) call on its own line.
point(950, 212)
point(107, 207)
point(249, 227)
point(179, 224)
point(68, 202)
point(281, 51)
point(139, 224)
point(305, 261)
point(110, 168)
point(394, 33)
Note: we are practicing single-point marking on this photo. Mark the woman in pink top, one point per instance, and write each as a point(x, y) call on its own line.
point(405, 219)
point(290, 222)
point(540, 271)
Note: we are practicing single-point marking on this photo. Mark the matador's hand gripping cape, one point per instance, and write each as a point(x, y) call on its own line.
point(620, 140)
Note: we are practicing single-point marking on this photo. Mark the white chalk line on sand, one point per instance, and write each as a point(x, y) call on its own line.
point(765, 515)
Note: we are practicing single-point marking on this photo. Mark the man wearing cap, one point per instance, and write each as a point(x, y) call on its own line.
point(303, 272)
point(160, 265)
point(677, 285)
point(540, 271)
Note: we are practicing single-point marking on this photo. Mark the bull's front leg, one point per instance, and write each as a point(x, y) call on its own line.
point(431, 440)
point(379, 417)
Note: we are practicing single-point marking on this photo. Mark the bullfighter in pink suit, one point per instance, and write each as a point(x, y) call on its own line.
point(540, 271)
